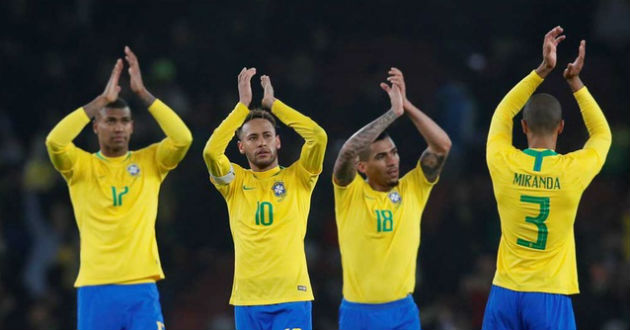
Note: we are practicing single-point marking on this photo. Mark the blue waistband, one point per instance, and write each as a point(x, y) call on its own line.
point(392, 304)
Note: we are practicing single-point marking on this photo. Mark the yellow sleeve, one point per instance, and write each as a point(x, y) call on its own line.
point(214, 153)
point(312, 155)
point(344, 195)
point(178, 139)
point(63, 153)
point(600, 137)
point(500, 133)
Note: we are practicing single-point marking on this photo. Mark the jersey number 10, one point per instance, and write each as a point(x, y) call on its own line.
point(264, 213)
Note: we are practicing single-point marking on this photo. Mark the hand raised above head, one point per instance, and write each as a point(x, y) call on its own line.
point(112, 89)
point(135, 77)
point(572, 72)
point(268, 96)
point(245, 85)
point(573, 69)
point(550, 44)
point(396, 77)
point(395, 97)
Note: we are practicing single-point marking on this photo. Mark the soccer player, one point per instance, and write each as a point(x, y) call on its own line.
point(114, 194)
point(268, 207)
point(538, 192)
point(378, 219)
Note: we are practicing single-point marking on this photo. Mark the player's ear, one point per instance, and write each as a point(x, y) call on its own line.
point(361, 166)
point(95, 125)
point(560, 127)
point(524, 126)
point(240, 147)
point(278, 144)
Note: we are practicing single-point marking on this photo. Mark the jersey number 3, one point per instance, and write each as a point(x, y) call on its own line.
point(539, 221)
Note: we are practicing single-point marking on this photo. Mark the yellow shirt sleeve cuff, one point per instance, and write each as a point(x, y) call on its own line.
point(534, 75)
point(157, 105)
point(580, 93)
point(84, 117)
point(278, 106)
point(240, 107)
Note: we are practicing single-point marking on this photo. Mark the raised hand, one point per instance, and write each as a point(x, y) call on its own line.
point(110, 94)
point(135, 77)
point(396, 78)
point(245, 86)
point(550, 43)
point(268, 97)
point(573, 69)
point(395, 97)
point(572, 72)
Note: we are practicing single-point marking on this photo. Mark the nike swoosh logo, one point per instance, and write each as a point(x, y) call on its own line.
point(368, 197)
point(248, 188)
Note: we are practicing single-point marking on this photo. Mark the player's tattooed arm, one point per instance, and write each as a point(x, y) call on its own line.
point(345, 165)
point(439, 144)
point(432, 163)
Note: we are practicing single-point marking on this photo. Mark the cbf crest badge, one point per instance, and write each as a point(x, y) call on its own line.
point(133, 170)
point(394, 196)
point(279, 189)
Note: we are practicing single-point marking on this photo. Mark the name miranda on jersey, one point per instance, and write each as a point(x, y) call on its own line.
point(535, 181)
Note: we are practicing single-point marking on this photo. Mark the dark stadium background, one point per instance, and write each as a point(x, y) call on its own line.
point(325, 59)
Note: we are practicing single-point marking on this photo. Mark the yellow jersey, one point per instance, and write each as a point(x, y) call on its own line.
point(115, 198)
point(268, 211)
point(379, 237)
point(537, 193)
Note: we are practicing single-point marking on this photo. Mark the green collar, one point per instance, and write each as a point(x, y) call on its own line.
point(100, 155)
point(539, 154)
point(268, 173)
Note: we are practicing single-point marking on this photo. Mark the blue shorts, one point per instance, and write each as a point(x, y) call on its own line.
point(119, 306)
point(292, 315)
point(396, 315)
point(514, 310)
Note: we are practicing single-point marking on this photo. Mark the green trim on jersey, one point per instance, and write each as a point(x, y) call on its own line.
point(101, 156)
point(539, 156)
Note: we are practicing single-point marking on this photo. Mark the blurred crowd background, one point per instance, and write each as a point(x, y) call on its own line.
point(325, 59)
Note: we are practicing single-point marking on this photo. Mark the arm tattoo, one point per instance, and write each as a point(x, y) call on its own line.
point(345, 170)
point(432, 164)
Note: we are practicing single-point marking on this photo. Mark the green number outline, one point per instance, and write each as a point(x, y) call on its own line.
point(539, 221)
point(117, 197)
point(261, 219)
point(384, 221)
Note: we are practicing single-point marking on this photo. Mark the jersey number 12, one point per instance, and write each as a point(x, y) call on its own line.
point(118, 195)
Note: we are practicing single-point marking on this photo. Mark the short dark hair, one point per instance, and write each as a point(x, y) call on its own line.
point(257, 114)
point(364, 154)
point(120, 103)
point(542, 113)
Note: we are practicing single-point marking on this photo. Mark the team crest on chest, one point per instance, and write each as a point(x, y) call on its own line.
point(394, 196)
point(133, 170)
point(279, 189)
